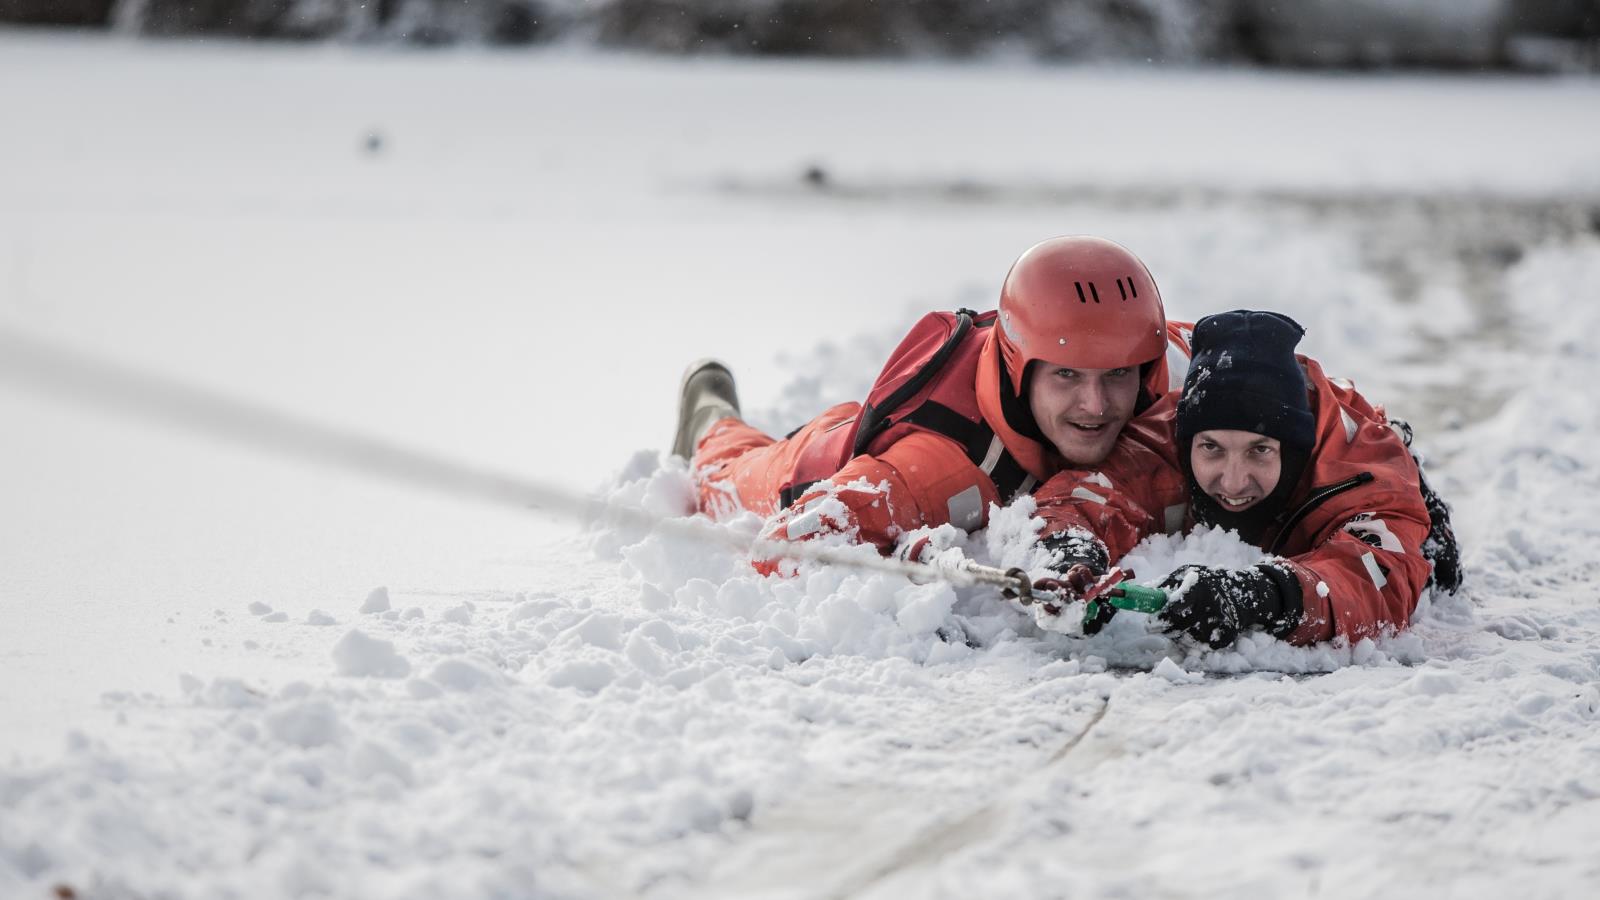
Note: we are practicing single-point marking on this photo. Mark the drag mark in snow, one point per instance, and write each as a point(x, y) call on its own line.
point(931, 843)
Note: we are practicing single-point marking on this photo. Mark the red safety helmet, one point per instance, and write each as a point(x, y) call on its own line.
point(1081, 302)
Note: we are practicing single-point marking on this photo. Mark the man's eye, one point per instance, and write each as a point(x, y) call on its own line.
point(1066, 373)
point(1120, 373)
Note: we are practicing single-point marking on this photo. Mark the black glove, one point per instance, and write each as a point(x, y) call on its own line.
point(1078, 548)
point(1083, 560)
point(1223, 603)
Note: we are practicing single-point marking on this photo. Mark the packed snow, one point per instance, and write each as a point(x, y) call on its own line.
point(229, 675)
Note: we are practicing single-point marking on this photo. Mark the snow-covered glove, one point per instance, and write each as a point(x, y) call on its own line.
point(1215, 605)
point(1082, 560)
point(1077, 547)
point(857, 511)
point(811, 517)
point(916, 548)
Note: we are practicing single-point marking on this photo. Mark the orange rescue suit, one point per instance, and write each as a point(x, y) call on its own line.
point(1352, 532)
point(916, 473)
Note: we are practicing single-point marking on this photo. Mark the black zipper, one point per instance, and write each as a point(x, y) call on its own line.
point(1318, 497)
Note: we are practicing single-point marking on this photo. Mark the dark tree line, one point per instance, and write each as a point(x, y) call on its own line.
point(1345, 33)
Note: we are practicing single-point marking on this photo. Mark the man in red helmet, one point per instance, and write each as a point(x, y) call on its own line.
point(971, 409)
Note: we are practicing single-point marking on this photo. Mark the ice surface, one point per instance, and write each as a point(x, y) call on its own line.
point(632, 710)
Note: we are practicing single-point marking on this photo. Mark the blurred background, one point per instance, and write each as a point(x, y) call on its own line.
point(1532, 35)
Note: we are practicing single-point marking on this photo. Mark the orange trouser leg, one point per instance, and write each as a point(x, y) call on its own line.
point(738, 467)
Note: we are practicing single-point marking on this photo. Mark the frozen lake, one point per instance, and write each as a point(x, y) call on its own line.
point(507, 260)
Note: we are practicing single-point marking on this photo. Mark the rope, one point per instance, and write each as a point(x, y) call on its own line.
point(80, 378)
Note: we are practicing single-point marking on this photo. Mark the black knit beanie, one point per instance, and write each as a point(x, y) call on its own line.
point(1243, 376)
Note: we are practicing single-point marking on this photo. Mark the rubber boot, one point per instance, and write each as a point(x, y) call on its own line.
point(706, 397)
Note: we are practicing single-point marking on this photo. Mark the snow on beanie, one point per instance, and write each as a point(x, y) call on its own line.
point(1244, 376)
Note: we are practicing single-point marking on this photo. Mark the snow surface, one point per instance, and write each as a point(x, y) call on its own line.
point(229, 675)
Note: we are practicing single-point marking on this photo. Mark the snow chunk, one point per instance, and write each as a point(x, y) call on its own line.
point(462, 675)
point(231, 693)
point(599, 631)
point(1159, 555)
point(357, 654)
point(371, 760)
point(318, 617)
point(258, 608)
point(653, 598)
point(422, 689)
point(312, 723)
point(661, 634)
point(377, 601)
point(532, 609)
point(644, 655)
point(924, 608)
point(587, 676)
point(1175, 673)
point(1435, 682)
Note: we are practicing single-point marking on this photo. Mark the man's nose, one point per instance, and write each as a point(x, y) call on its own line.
point(1092, 397)
point(1235, 477)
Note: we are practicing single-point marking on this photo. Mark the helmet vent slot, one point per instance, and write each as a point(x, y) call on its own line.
point(1132, 289)
point(1094, 292)
point(1122, 290)
point(1081, 297)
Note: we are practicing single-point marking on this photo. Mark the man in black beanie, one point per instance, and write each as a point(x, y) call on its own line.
point(1245, 419)
point(1299, 465)
point(1244, 379)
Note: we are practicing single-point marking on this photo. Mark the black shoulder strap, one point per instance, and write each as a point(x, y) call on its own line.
point(874, 419)
point(982, 446)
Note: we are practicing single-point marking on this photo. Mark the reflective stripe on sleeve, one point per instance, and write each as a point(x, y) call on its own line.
point(1373, 570)
point(1083, 493)
point(966, 509)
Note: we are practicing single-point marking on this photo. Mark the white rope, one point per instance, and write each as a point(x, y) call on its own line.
point(80, 378)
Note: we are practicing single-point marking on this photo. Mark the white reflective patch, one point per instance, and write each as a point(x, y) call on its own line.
point(805, 524)
point(1373, 570)
point(966, 509)
point(1177, 365)
point(1083, 493)
point(1345, 383)
point(1349, 426)
point(1028, 484)
point(1172, 517)
point(997, 448)
point(1379, 529)
point(1100, 479)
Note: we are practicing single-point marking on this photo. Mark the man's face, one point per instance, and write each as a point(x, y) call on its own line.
point(1081, 411)
point(1238, 469)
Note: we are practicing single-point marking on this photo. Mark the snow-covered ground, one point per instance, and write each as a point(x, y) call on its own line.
point(507, 260)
